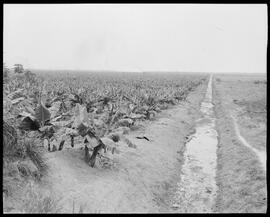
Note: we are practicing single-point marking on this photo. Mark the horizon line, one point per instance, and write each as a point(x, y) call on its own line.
point(139, 71)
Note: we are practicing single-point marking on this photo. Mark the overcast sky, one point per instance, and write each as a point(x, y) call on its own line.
point(140, 37)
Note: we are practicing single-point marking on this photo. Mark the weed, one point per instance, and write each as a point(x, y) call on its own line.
point(38, 201)
point(36, 156)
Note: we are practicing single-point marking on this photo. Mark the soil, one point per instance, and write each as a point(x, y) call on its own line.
point(137, 179)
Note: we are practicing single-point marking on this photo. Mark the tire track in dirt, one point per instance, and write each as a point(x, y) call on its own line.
point(260, 154)
point(196, 190)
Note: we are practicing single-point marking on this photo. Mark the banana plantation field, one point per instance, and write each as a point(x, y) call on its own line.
point(58, 106)
point(84, 116)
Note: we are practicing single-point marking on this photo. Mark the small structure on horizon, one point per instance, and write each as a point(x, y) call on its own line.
point(18, 68)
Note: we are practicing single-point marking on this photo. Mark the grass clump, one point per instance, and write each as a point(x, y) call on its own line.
point(23, 161)
point(11, 147)
point(36, 156)
point(37, 200)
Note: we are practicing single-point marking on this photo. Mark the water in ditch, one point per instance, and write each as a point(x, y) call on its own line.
point(196, 189)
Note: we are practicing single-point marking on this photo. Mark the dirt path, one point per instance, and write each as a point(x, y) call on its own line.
point(260, 154)
point(197, 186)
point(138, 180)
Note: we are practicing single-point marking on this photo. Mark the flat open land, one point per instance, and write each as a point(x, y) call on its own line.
point(240, 102)
point(203, 154)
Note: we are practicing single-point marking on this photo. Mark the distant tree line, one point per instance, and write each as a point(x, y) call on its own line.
point(18, 69)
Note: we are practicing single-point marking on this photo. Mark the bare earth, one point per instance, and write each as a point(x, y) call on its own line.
point(139, 179)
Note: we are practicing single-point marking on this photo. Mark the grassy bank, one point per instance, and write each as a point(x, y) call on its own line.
point(241, 181)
